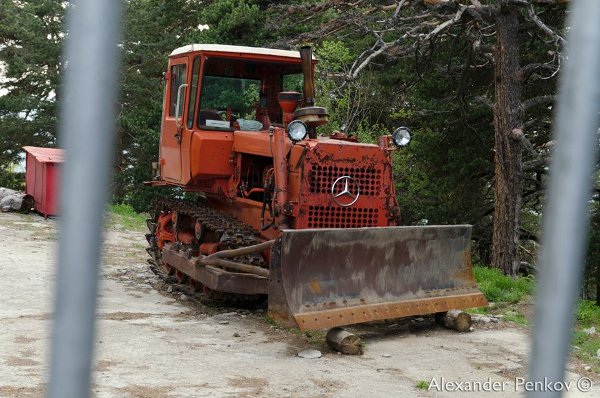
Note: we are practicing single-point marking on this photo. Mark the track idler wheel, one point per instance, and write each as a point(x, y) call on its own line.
point(194, 285)
point(180, 277)
point(211, 294)
point(168, 270)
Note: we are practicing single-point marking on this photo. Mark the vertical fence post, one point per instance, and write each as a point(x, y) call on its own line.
point(87, 127)
point(566, 215)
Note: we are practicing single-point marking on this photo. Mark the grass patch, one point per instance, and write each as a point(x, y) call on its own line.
point(499, 288)
point(270, 321)
point(127, 217)
point(588, 347)
point(311, 336)
point(505, 292)
point(517, 318)
point(478, 310)
point(588, 315)
point(423, 385)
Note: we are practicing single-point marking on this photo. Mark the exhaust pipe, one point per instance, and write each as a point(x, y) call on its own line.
point(309, 81)
point(310, 114)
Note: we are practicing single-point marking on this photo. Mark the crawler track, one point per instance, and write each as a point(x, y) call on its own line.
point(197, 230)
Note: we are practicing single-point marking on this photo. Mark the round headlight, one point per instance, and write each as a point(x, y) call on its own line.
point(401, 136)
point(297, 130)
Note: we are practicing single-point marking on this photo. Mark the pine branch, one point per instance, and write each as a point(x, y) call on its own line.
point(540, 24)
point(381, 47)
point(540, 100)
point(530, 69)
point(535, 165)
point(483, 100)
point(528, 235)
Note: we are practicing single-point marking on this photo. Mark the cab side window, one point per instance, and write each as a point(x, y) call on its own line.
point(177, 79)
point(193, 93)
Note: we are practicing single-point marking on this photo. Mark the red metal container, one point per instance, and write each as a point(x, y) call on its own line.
point(41, 177)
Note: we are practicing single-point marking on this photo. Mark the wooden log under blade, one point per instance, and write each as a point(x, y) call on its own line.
point(343, 341)
point(454, 319)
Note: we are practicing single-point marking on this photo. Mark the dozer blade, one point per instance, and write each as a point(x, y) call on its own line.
point(321, 278)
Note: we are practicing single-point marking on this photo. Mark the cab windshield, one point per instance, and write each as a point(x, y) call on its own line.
point(242, 94)
point(237, 96)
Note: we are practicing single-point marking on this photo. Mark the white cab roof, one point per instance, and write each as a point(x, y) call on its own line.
point(236, 49)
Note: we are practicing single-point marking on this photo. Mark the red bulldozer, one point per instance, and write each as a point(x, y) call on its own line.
point(309, 220)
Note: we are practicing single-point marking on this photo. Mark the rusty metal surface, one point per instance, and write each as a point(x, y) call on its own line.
point(279, 310)
point(373, 312)
point(368, 171)
point(212, 277)
point(331, 277)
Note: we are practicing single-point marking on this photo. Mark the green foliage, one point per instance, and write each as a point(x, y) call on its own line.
point(127, 217)
point(221, 93)
point(12, 180)
point(350, 102)
point(30, 44)
point(588, 347)
point(441, 178)
point(124, 210)
point(334, 56)
point(588, 313)
point(478, 310)
point(498, 287)
point(422, 385)
point(231, 22)
point(591, 282)
point(294, 82)
point(516, 317)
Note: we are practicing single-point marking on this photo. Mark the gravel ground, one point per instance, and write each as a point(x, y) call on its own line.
point(154, 342)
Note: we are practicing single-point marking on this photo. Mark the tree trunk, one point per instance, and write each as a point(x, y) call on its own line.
point(508, 121)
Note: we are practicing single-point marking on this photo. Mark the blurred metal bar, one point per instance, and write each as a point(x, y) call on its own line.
point(566, 215)
point(87, 127)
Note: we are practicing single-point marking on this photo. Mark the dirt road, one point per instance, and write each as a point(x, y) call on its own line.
point(154, 342)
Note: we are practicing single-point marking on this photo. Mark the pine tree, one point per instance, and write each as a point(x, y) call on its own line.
point(31, 35)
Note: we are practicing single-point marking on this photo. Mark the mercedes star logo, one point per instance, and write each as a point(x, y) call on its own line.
point(345, 191)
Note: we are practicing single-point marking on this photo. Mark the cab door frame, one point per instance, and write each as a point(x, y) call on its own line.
point(173, 119)
point(191, 109)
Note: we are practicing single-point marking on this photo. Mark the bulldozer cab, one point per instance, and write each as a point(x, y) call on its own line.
point(213, 88)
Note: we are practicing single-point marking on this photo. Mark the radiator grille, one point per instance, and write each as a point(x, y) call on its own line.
point(322, 178)
point(341, 217)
